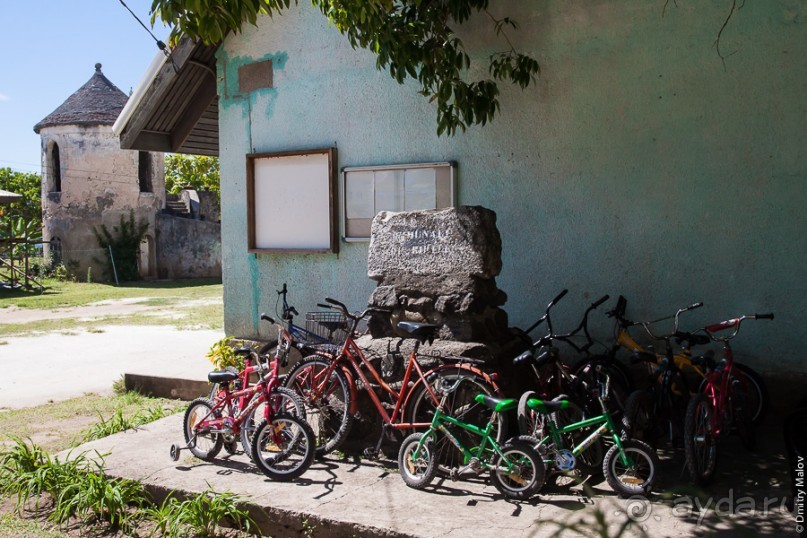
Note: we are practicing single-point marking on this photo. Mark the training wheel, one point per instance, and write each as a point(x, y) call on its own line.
point(175, 452)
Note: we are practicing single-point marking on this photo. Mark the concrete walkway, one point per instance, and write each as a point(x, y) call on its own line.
point(59, 366)
point(343, 498)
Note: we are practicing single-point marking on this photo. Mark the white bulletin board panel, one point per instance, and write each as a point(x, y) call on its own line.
point(290, 197)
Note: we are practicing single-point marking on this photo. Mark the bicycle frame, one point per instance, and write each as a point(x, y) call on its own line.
point(439, 422)
point(605, 423)
point(353, 355)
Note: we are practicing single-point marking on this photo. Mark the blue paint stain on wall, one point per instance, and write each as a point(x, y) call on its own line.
point(254, 279)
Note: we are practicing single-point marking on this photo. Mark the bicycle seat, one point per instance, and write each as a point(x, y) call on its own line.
point(693, 339)
point(419, 331)
point(221, 376)
point(244, 350)
point(498, 405)
point(529, 356)
point(547, 406)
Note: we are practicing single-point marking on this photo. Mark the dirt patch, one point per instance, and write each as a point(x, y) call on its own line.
point(101, 309)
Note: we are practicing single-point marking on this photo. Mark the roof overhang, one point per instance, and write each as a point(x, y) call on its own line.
point(9, 197)
point(174, 108)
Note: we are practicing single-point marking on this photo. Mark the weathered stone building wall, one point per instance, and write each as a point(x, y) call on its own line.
point(188, 248)
point(99, 184)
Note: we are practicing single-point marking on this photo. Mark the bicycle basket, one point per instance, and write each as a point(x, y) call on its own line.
point(326, 329)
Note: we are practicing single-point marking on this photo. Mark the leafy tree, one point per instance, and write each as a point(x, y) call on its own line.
point(411, 38)
point(29, 185)
point(191, 172)
point(124, 241)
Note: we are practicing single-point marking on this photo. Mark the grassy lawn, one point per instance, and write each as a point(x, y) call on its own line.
point(59, 426)
point(185, 304)
point(59, 294)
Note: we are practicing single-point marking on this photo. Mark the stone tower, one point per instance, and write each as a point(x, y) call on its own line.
point(88, 180)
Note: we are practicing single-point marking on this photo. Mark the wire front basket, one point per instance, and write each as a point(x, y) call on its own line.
point(327, 330)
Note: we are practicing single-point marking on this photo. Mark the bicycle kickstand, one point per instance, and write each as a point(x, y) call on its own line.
point(373, 453)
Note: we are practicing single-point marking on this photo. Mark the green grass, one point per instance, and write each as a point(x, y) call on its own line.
point(59, 426)
point(12, 526)
point(66, 294)
point(166, 303)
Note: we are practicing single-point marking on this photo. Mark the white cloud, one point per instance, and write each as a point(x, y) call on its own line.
point(4, 97)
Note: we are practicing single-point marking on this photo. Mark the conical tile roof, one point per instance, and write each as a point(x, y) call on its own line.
point(98, 102)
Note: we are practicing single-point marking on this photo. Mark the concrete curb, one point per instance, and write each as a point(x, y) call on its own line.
point(166, 387)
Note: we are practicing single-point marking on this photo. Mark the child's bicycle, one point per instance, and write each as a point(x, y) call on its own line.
point(722, 404)
point(516, 468)
point(631, 467)
point(282, 445)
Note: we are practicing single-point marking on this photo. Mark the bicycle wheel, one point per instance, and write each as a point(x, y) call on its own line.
point(596, 371)
point(282, 400)
point(326, 401)
point(632, 470)
point(283, 447)
point(638, 418)
point(700, 444)
point(518, 472)
point(755, 391)
point(202, 443)
point(417, 472)
point(461, 405)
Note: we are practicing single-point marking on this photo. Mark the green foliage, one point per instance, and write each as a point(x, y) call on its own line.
point(119, 422)
point(77, 485)
point(222, 354)
point(20, 228)
point(191, 172)
point(29, 186)
point(125, 244)
point(200, 515)
point(412, 39)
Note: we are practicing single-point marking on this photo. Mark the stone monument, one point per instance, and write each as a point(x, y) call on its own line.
point(439, 266)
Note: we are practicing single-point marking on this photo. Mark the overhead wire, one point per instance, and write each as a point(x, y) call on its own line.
point(160, 44)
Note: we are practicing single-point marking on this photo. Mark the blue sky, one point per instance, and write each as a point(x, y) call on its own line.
point(49, 49)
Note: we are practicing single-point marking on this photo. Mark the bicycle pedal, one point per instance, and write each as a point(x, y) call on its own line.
point(370, 453)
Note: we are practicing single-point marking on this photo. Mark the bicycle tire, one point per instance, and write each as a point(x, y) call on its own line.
point(700, 444)
point(461, 405)
point(757, 398)
point(530, 474)
point(198, 410)
point(638, 476)
point(291, 404)
point(417, 474)
point(283, 448)
point(590, 369)
point(638, 418)
point(329, 413)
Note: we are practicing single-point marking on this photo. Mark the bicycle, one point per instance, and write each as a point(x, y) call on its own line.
point(630, 466)
point(281, 445)
point(329, 387)
point(752, 382)
point(516, 469)
point(554, 379)
point(661, 405)
point(718, 407)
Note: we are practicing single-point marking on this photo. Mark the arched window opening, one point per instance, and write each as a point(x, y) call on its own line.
point(144, 171)
point(55, 169)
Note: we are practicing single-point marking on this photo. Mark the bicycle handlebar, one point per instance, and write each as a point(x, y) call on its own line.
point(731, 323)
point(556, 299)
point(267, 317)
point(602, 300)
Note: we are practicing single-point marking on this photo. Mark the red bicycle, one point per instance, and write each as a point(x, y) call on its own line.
point(281, 445)
point(719, 407)
point(329, 387)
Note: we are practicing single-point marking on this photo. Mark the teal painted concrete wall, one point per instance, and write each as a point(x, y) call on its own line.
point(639, 163)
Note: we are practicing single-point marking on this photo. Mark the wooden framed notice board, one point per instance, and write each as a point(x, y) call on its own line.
point(291, 201)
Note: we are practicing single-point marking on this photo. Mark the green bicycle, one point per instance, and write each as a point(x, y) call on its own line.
point(516, 468)
point(630, 466)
